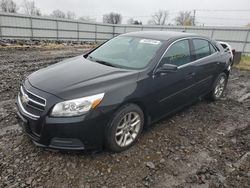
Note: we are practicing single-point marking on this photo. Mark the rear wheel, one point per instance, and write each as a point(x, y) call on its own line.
point(230, 65)
point(125, 128)
point(219, 87)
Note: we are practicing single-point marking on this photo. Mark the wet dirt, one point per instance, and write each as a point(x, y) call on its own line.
point(205, 145)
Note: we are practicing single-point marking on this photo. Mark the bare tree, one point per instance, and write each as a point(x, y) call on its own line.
point(71, 15)
point(159, 18)
point(112, 18)
point(87, 18)
point(185, 18)
point(58, 14)
point(30, 8)
point(131, 21)
point(8, 6)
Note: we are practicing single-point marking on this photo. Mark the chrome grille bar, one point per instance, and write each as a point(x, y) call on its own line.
point(38, 103)
point(32, 116)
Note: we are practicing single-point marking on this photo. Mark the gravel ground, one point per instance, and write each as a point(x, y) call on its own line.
point(206, 145)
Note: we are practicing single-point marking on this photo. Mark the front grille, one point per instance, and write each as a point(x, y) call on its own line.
point(32, 106)
point(32, 100)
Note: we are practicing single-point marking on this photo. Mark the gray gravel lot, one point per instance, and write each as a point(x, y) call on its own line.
point(206, 145)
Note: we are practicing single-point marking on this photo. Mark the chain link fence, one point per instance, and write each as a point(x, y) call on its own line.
point(17, 26)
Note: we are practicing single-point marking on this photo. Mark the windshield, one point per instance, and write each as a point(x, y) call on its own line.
point(126, 52)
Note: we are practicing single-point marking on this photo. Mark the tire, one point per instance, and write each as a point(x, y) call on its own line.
point(125, 128)
point(219, 87)
point(232, 63)
point(230, 66)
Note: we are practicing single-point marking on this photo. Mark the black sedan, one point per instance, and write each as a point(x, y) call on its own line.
point(106, 97)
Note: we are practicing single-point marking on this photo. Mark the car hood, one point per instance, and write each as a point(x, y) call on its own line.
point(78, 77)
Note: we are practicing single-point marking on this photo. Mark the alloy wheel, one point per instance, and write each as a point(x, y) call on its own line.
point(220, 86)
point(128, 129)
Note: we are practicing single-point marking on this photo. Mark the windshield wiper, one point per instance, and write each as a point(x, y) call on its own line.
point(102, 62)
point(105, 63)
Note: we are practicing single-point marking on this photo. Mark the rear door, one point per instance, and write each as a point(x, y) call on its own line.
point(206, 59)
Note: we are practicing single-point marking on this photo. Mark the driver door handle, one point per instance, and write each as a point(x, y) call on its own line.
point(190, 75)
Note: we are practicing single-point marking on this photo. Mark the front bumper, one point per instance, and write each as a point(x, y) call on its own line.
point(84, 132)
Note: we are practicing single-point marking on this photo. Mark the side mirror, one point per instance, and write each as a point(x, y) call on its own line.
point(165, 68)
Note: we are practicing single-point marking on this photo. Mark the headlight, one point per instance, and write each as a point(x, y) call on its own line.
point(76, 107)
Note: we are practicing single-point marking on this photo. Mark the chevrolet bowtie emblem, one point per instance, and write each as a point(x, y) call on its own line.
point(25, 99)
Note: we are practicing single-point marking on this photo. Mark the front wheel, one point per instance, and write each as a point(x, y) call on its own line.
point(125, 128)
point(219, 87)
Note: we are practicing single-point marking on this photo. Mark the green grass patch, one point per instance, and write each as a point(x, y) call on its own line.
point(244, 63)
point(245, 58)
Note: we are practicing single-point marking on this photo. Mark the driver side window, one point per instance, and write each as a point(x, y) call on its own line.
point(178, 54)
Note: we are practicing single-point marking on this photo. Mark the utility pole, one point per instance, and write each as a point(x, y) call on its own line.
point(194, 17)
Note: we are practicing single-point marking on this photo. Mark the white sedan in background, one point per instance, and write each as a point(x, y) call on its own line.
point(227, 48)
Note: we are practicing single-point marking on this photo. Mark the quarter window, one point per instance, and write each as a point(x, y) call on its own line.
point(178, 54)
point(212, 49)
point(201, 48)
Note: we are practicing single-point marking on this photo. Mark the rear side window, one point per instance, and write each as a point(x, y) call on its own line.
point(178, 54)
point(201, 48)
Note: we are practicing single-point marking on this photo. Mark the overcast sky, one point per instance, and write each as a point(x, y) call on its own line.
point(143, 9)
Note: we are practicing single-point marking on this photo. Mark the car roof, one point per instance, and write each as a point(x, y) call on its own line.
point(160, 35)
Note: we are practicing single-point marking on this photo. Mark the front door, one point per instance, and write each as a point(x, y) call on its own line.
point(172, 90)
